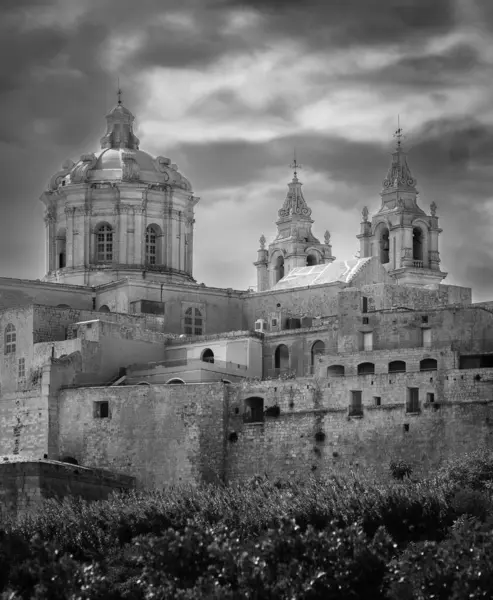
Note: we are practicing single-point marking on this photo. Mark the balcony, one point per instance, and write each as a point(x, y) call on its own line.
point(418, 264)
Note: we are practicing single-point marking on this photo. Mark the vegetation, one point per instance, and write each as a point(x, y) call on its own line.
point(338, 538)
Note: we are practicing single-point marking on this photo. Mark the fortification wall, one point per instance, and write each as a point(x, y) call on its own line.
point(286, 445)
point(158, 434)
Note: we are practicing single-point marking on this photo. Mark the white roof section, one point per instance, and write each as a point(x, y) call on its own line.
point(339, 271)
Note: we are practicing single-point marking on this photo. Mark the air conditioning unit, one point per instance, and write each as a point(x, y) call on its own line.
point(261, 325)
point(306, 322)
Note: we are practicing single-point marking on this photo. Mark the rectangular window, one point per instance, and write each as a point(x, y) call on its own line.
point(366, 320)
point(430, 397)
point(412, 404)
point(368, 341)
point(377, 400)
point(424, 318)
point(274, 323)
point(426, 338)
point(356, 406)
point(364, 304)
point(22, 368)
point(101, 409)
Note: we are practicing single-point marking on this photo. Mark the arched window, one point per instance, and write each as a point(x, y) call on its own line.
point(366, 368)
point(61, 249)
point(397, 366)
point(279, 269)
point(254, 410)
point(318, 349)
point(194, 323)
point(104, 309)
point(428, 364)
point(417, 244)
point(335, 371)
point(311, 260)
point(208, 356)
point(151, 245)
point(281, 358)
point(384, 245)
point(10, 341)
point(176, 380)
point(104, 237)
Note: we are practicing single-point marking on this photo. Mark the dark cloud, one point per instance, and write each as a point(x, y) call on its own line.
point(342, 23)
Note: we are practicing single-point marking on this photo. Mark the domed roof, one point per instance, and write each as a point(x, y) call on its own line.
point(120, 159)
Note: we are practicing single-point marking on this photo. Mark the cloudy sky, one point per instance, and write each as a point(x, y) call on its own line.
point(227, 89)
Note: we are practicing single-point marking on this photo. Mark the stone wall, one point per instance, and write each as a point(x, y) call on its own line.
point(21, 292)
point(286, 445)
point(25, 484)
point(158, 434)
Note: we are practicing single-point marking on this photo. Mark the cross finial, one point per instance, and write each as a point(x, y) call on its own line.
point(119, 92)
point(398, 134)
point(295, 165)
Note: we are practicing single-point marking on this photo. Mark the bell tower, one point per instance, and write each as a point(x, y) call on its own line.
point(295, 245)
point(401, 234)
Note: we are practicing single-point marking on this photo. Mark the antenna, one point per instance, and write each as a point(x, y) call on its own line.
point(295, 165)
point(119, 92)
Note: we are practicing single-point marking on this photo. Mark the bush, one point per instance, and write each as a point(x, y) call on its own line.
point(400, 469)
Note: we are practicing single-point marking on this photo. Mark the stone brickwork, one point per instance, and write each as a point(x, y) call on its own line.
point(158, 434)
point(27, 482)
point(287, 445)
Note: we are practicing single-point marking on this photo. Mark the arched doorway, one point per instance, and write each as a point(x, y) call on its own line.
point(318, 349)
point(104, 309)
point(417, 244)
point(281, 358)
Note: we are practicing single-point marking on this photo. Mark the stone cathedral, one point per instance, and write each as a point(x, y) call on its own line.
point(119, 371)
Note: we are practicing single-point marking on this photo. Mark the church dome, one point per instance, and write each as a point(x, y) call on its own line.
point(120, 159)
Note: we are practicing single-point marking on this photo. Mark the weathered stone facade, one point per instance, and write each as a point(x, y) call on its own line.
point(120, 361)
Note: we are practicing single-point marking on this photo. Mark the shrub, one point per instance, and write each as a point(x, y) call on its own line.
point(400, 469)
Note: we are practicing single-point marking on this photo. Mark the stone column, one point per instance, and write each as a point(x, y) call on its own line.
point(433, 254)
point(131, 235)
point(123, 218)
point(139, 222)
point(69, 216)
point(50, 241)
point(78, 236)
point(407, 247)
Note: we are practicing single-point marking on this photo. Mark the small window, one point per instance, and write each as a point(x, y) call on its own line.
point(377, 400)
point(366, 320)
point(193, 324)
point(428, 364)
point(22, 368)
point(430, 397)
point(424, 318)
point(366, 368)
point(10, 339)
point(364, 304)
point(412, 404)
point(208, 356)
point(274, 323)
point(406, 427)
point(254, 410)
point(368, 341)
point(356, 406)
point(335, 371)
point(102, 410)
point(426, 338)
point(397, 366)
